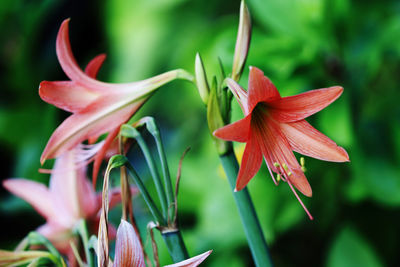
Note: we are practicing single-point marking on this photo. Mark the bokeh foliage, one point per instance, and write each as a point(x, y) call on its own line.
point(299, 44)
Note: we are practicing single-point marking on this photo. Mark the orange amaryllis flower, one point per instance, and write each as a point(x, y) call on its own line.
point(128, 250)
point(97, 107)
point(273, 126)
point(69, 198)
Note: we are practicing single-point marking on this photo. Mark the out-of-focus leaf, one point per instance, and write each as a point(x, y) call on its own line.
point(350, 249)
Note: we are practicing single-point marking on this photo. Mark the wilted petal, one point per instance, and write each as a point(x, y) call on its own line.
point(261, 89)
point(251, 163)
point(192, 262)
point(34, 193)
point(237, 131)
point(66, 95)
point(308, 141)
point(298, 107)
point(239, 93)
point(103, 115)
point(128, 250)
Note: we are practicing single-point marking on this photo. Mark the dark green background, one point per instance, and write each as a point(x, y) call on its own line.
point(299, 44)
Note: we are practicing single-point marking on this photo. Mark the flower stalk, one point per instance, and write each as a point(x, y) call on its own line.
point(255, 237)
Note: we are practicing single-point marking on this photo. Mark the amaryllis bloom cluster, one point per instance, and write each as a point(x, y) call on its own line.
point(97, 107)
point(128, 250)
point(273, 126)
point(69, 198)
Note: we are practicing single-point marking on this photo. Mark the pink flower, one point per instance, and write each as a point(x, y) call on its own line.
point(97, 107)
point(273, 126)
point(69, 198)
point(128, 250)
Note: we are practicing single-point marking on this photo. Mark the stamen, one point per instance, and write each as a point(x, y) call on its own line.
point(285, 167)
point(301, 202)
point(278, 177)
point(276, 164)
point(303, 164)
point(289, 173)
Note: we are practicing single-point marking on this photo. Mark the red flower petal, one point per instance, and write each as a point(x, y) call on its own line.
point(298, 107)
point(308, 141)
point(251, 163)
point(261, 89)
point(66, 95)
point(276, 149)
point(128, 250)
point(237, 131)
point(94, 65)
point(101, 116)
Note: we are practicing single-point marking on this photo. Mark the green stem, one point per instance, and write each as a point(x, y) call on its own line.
point(146, 196)
point(175, 245)
point(154, 173)
point(248, 216)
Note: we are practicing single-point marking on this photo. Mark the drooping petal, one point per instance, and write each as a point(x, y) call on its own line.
point(94, 65)
point(239, 93)
point(298, 107)
point(276, 149)
point(128, 250)
point(308, 141)
point(251, 163)
point(261, 89)
point(103, 115)
point(192, 262)
point(66, 95)
point(34, 193)
point(237, 131)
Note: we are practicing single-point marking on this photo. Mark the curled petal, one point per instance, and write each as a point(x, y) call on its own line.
point(192, 262)
point(251, 163)
point(298, 107)
point(128, 250)
point(261, 89)
point(237, 131)
point(308, 141)
point(66, 95)
point(34, 193)
point(72, 70)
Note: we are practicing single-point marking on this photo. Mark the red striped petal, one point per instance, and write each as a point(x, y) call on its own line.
point(237, 131)
point(192, 262)
point(308, 141)
point(128, 250)
point(276, 149)
point(298, 107)
point(261, 89)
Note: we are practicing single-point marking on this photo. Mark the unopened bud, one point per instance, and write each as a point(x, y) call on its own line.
point(201, 79)
point(242, 42)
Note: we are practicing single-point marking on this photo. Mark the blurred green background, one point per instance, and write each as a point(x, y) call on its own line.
point(299, 44)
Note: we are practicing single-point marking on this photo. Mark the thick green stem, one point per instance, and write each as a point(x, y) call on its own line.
point(248, 216)
point(175, 245)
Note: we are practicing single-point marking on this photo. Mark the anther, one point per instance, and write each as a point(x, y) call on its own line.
point(276, 164)
point(285, 167)
point(302, 162)
point(278, 177)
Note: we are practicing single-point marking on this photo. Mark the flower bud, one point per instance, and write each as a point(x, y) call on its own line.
point(201, 79)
